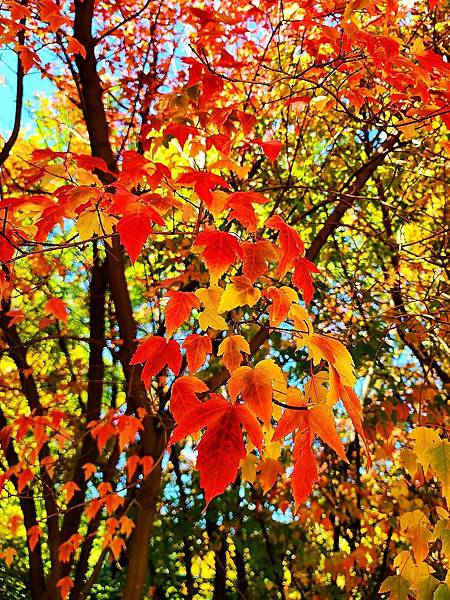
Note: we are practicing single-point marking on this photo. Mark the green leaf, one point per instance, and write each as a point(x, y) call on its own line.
point(397, 586)
point(442, 592)
point(425, 587)
point(440, 463)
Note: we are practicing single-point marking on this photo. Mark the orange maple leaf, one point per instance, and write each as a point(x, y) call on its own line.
point(65, 585)
point(231, 348)
point(255, 388)
point(255, 256)
point(197, 347)
point(56, 307)
point(34, 533)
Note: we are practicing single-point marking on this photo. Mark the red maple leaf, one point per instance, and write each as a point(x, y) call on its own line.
point(157, 352)
point(56, 307)
point(271, 149)
point(179, 308)
point(220, 251)
point(301, 277)
point(241, 204)
point(222, 446)
point(180, 131)
point(135, 227)
point(203, 183)
point(183, 397)
point(64, 585)
point(292, 246)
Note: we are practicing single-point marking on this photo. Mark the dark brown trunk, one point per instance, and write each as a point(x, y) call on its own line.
point(96, 370)
point(154, 436)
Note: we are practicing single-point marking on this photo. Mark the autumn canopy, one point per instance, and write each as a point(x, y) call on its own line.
point(224, 300)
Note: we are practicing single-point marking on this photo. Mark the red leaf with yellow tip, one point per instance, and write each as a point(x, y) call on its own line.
point(178, 309)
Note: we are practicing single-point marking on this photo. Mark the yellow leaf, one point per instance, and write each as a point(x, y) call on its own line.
point(424, 439)
point(319, 102)
point(419, 537)
point(302, 323)
point(408, 460)
point(210, 298)
point(231, 349)
point(278, 380)
point(239, 293)
point(404, 562)
point(443, 514)
point(442, 531)
point(407, 128)
point(271, 449)
point(322, 347)
point(397, 586)
point(91, 224)
point(442, 592)
point(425, 587)
point(248, 468)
